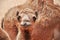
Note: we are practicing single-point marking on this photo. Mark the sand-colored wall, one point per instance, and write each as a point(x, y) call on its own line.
point(57, 2)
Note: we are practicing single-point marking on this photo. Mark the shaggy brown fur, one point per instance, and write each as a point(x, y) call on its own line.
point(49, 22)
point(10, 19)
point(42, 29)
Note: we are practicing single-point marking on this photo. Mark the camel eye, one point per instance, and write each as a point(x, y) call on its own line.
point(18, 18)
point(34, 19)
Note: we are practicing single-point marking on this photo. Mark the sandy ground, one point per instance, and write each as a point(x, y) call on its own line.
point(5, 5)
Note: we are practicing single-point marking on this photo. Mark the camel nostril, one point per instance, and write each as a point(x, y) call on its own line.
point(25, 24)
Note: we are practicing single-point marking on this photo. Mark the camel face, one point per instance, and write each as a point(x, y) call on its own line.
point(26, 17)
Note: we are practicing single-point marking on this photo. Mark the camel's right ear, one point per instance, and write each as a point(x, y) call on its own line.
point(2, 23)
point(36, 13)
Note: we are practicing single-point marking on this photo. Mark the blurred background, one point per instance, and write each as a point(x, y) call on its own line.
point(5, 5)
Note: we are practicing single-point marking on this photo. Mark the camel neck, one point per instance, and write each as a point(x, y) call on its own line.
point(27, 35)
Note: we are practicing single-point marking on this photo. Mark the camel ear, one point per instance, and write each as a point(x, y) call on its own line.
point(36, 13)
point(17, 13)
point(18, 17)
